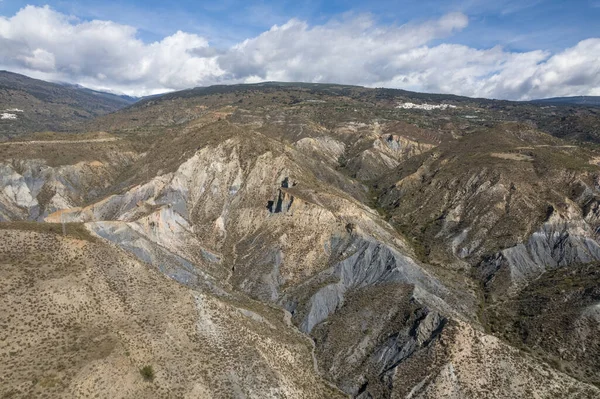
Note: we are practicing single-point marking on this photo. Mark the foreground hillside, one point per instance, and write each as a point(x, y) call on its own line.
point(30, 105)
point(354, 242)
point(83, 318)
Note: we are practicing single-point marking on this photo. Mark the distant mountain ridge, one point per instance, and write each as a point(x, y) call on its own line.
point(62, 107)
point(30, 105)
point(577, 100)
point(107, 94)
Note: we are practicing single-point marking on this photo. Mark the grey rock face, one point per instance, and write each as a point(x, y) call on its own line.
point(399, 347)
point(169, 263)
point(377, 330)
point(563, 240)
point(31, 189)
point(372, 263)
point(282, 203)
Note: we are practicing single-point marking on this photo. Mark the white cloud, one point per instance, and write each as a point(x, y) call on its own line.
point(354, 49)
point(41, 60)
point(100, 54)
point(349, 51)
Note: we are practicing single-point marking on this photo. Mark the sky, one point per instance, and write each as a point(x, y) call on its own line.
point(511, 49)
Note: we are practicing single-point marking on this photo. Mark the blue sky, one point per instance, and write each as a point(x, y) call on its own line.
point(519, 25)
point(495, 40)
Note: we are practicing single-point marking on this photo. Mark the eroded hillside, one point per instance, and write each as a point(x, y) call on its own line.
point(81, 319)
point(413, 245)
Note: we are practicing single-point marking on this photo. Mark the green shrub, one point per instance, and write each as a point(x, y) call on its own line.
point(147, 372)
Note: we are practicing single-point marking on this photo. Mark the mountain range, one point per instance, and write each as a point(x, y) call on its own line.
point(579, 100)
point(36, 105)
point(297, 240)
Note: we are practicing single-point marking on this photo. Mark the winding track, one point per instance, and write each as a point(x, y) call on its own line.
point(60, 141)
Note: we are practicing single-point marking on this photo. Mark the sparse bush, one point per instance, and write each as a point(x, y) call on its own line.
point(147, 373)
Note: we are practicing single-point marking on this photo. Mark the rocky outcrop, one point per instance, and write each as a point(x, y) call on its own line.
point(565, 239)
point(284, 200)
point(386, 152)
point(17, 201)
point(324, 148)
point(185, 271)
point(371, 263)
point(361, 347)
point(32, 190)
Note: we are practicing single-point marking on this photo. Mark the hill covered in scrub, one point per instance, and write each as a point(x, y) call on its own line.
point(30, 105)
point(579, 100)
point(304, 240)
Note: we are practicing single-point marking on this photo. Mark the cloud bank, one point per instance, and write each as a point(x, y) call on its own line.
point(41, 42)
